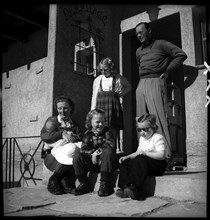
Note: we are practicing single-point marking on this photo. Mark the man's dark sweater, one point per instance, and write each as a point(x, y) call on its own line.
point(157, 57)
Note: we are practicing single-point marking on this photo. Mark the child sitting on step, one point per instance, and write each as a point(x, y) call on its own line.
point(97, 154)
point(149, 159)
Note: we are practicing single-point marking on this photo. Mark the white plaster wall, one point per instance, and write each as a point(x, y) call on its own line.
point(196, 112)
point(26, 99)
point(195, 100)
point(195, 95)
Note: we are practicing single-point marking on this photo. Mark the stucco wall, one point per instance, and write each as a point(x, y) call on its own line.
point(25, 99)
point(195, 94)
point(197, 121)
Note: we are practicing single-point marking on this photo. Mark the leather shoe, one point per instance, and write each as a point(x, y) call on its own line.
point(68, 185)
point(55, 188)
point(120, 193)
point(104, 189)
point(83, 188)
point(132, 192)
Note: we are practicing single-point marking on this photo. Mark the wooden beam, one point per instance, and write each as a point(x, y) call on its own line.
point(24, 19)
point(11, 38)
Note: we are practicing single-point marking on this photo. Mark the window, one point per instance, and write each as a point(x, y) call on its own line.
point(85, 57)
point(87, 48)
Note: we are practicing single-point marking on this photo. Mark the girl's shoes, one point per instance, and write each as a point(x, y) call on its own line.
point(120, 193)
point(105, 189)
point(130, 192)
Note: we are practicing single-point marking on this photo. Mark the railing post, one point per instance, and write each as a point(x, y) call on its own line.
point(6, 161)
point(13, 164)
point(10, 156)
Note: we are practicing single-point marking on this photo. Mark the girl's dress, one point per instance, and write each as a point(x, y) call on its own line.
point(109, 101)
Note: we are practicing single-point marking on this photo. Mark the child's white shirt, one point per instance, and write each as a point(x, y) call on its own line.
point(155, 143)
point(107, 83)
point(121, 86)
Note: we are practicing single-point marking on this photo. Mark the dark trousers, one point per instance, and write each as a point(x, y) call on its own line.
point(83, 164)
point(136, 170)
point(60, 170)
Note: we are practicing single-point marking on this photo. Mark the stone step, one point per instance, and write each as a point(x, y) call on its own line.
point(183, 185)
point(179, 185)
point(176, 185)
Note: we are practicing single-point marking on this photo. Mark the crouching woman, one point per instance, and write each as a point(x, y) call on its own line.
point(62, 137)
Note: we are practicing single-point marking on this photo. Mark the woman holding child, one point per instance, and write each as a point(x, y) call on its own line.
point(61, 136)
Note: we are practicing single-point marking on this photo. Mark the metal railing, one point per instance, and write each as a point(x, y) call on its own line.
point(27, 163)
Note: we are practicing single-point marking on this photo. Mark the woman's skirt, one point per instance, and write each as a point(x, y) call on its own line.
point(110, 103)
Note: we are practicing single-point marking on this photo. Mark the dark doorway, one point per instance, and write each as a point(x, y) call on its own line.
point(167, 28)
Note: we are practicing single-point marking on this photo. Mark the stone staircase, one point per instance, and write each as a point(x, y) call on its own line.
point(180, 185)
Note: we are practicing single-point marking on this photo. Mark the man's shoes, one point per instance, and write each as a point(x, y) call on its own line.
point(120, 193)
point(68, 185)
point(55, 188)
point(132, 192)
point(105, 190)
point(83, 188)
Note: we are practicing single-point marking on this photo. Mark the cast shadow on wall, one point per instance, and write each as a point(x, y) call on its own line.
point(191, 73)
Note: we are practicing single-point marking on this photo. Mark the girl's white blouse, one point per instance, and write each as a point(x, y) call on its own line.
point(107, 83)
point(154, 144)
point(122, 86)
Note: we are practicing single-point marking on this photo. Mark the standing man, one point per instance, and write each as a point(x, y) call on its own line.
point(155, 59)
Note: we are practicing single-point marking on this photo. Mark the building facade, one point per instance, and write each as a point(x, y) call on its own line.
point(62, 58)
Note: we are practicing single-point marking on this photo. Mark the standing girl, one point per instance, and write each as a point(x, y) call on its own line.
point(107, 90)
